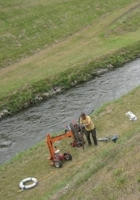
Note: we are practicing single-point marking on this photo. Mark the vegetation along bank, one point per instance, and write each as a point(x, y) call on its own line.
point(109, 171)
point(36, 65)
point(92, 36)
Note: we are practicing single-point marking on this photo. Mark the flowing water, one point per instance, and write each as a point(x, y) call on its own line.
point(30, 126)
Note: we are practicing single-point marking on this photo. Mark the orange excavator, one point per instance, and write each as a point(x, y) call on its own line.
point(73, 131)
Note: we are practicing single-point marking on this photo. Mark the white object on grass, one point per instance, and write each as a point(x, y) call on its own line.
point(25, 187)
point(131, 116)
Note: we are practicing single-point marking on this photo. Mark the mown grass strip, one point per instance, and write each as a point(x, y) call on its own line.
point(44, 23)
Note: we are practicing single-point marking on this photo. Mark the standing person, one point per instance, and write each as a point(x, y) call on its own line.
point(89, 128)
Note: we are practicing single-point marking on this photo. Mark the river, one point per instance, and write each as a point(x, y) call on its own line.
point(31, 126)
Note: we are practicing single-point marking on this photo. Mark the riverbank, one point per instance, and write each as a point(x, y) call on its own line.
point(108, 41)
point(44, 90)
point(112, 167)
point(30, 126)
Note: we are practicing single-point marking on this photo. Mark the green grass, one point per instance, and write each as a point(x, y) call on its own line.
point(54, 43)
point(61, 38)
point(111, 169)
point(30, 26)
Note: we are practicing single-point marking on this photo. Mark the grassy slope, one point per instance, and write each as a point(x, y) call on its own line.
point(32, 25)
point(109, 171)
point(96, 35)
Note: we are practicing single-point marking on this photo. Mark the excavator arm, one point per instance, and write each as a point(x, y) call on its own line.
point(50, 140)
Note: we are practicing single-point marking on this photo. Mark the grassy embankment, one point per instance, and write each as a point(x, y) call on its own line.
point(110, 171)
point(45, 44)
